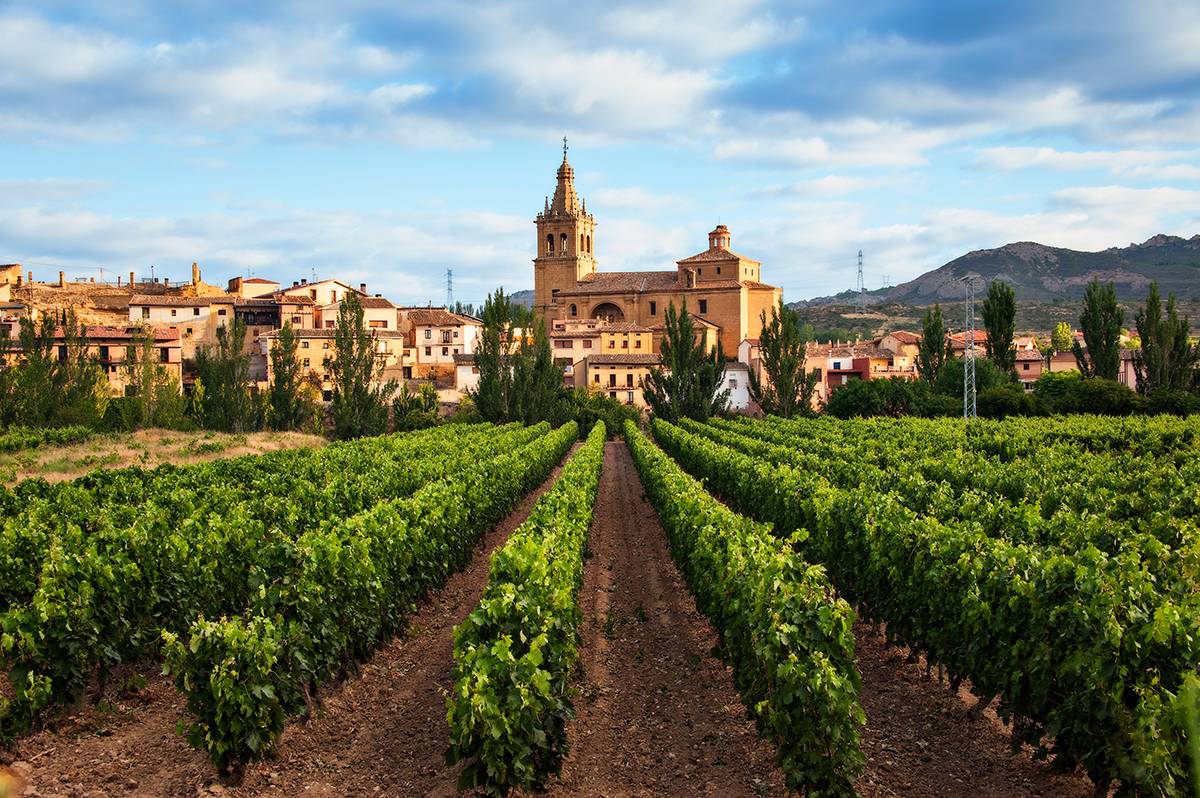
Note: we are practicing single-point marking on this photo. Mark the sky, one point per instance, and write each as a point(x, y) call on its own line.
point(388, 142)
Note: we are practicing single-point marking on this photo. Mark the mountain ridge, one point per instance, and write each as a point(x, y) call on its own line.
point(1041, 273)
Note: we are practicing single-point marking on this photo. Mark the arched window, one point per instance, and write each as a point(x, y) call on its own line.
point(574, 310)
point(582, 246)
point(589, 245)
point(563, 241)
point(549, 243)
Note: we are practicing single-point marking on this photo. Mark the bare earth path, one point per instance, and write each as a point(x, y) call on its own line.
point(658, 714)
point(380, 733)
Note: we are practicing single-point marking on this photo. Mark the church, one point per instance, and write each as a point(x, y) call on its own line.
point(721, 287)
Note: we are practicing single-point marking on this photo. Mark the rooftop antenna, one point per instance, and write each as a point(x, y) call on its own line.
point(449, 289)
point(969, 352)
point(862, 292)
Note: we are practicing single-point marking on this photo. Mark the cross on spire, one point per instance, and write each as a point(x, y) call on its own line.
point(564, 148)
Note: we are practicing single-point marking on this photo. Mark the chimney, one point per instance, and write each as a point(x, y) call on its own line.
point(295, 283)
point(61, 281)
point(166, 282)
point(303, 281)
point(362, 288)
point(31, 278)
point(131, 279)
point(195, 274)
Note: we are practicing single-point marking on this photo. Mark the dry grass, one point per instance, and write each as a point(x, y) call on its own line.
point(147, 448)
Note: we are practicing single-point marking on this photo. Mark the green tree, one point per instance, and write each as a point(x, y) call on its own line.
point(1100, 323)
point(224, 370)
point(58, 382)
point(290, 406)
point(360, 395)
point(999, 321)
point(518, 378)
point(783, 346)
point(415, 409)
point(688, 383)
point(1061, 338)
point(934, 350)
point(1167, 358)
point(154, 395)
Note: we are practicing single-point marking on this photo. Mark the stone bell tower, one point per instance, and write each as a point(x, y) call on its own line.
point(564, 243)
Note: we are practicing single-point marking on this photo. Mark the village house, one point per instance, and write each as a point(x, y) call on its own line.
point(438, 336)
point(315, 350)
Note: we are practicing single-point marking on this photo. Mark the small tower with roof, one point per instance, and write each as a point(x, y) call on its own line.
point(565, 232)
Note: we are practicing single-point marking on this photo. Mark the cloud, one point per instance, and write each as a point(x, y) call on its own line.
point(49, 189)
point(635, 198)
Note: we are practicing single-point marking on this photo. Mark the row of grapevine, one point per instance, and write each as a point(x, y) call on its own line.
point(279, 489)
point(103, 598)
point(335, 595)
point(515, 653)
point(1086, 653)
point(789, 640)
point(18, 438)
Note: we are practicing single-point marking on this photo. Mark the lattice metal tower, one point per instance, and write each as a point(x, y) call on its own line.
point(969, 352)
point(862, 291)
point(450, 289)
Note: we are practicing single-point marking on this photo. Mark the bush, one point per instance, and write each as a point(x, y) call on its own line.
point(893, 397)
point(987, 375)
point(1103, 397)
point(936, 405)
point(1177, 402)
point(1005, 401)
point(587, 407)
point(1053, 387)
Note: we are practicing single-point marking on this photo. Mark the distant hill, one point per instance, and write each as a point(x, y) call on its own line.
point(1039, 273)
point(522, 298)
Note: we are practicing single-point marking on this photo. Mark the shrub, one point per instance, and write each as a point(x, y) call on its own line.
point(894, 397)
point(1005, 401)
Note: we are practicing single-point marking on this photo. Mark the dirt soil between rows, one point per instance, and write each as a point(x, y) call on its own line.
point(657, 712)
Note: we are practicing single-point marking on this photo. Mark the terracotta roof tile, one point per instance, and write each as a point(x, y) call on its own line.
point(623, 360)
point(155, 300)
point(714, 254)
point(437, 317)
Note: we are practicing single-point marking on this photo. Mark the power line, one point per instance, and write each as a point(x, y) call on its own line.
point(450, 272)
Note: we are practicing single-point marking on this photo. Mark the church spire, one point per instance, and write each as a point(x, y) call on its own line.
point(565, 200)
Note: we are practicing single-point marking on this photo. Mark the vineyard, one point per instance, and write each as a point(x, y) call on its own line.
point(687, 611)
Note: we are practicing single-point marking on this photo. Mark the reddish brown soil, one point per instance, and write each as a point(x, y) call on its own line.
point(657, 713)
point(922, 741)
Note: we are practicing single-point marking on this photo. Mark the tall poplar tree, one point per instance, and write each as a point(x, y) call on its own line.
point(289, 406)
point(783, 347)
point(934, 350)
point(224, 371)
point(999, 321)
point(1100, 323)
point(518, 378)
point(688, 384)
point(1167, 357)
point(361, 397)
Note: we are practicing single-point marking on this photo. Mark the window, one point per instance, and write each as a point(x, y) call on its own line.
point(327, 396)
point(550, 243)
point(145, 313)
point(704, 306)
point(377, 324)
point(837, 365)
point(699, 272)
point(455, 352)
point(596, 378)
point(325, 345)
point(653, 308)
point(1024, 367)
point(574, 310)
point(629, 397)
point(221, 312)
point(187, 332)
point(104, 353)
point(174, 312)
point(195, 311)
point(612, 344)
point(718, 270)
point(456, 333)
point(612, 379)
point(164, 354)
point(589, 245)
point(62, 353)
point(563, 242)
point(428, 351)
point(295, 319)
point(612, 394)
point(304, 344)
point(581, 245)
point(628, 380)
point(625, 344)
point(306, 362)
point(445, 350)
point(587, 343)
point(732, 383)
point(428, 334)
point(562, 343)
point(637, 344)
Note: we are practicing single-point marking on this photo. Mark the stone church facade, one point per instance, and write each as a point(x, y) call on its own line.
point(719, 286)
